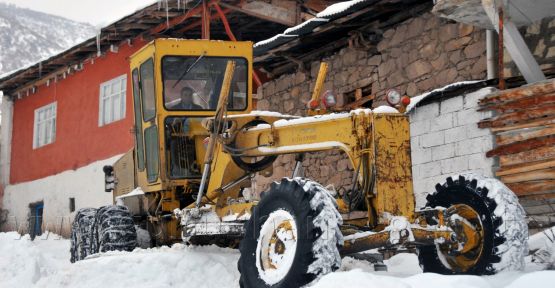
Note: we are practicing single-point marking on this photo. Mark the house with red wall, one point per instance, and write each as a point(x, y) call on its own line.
point(67, 116)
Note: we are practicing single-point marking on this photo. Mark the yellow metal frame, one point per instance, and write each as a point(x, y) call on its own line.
point(159, 48)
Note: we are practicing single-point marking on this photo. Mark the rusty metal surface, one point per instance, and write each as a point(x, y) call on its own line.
point(394, 191)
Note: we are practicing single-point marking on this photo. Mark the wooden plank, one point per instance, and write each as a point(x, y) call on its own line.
point(532, 187)
point(526, 124)
point(535, 89)
point(539, 210)
point(521, 104)
point(518, 117)
point(524, 167)
point(512, 136)
point(266, 11)
point(522, 146)
point(544, 174)
point(539, 154)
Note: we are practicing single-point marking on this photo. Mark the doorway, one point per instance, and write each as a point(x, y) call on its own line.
point(35, 222)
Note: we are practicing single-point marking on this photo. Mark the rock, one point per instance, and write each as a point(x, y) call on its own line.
point(295, 92)
point(429, 50)
point(432, 23)
point(448, 32)
point(550, 52)
point(464, 64)
point(263, 105)
point(465, 29)
point(374, 60)
point(300, 77)
point(426, 84)
point(418, 69)
point(534, 29)
point(540, 48)
point(288, 106)
point(446, 77)
point(457, 44)
point(479, 66)
point(349, 58)
point(399, 36)
point(388, 33)
point(396, 78)
point(342, 165)
point(415, 28)
point(440, 62)
point(395, 52)
point(385, 68)
point(475, 50)
point(455, 57)
point(412, 89)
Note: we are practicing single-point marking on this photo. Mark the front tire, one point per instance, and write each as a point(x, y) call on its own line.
point(114, 229)
point(292, 237)
point(81, 240)
point(491, 207)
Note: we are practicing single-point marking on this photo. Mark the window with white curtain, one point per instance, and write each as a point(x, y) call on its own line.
point(45, 125)
point(112, 100)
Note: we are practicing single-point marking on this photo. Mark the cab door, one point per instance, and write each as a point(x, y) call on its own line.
point(147, 144)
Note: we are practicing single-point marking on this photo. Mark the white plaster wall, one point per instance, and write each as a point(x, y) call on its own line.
point(6, 109)
point(446, 140)
point(85, 184)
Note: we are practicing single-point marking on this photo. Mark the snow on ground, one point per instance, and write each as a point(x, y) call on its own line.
point(45, 263)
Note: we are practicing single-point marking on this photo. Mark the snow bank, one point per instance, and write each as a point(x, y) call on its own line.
point(24, 262)
point(45, 263)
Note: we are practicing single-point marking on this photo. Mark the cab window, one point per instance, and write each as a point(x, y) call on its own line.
point(147, 90)
point(193, 83)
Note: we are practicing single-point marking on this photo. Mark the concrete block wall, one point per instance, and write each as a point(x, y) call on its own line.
point(446, 140)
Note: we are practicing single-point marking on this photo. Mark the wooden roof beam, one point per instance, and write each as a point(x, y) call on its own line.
point(268, 12)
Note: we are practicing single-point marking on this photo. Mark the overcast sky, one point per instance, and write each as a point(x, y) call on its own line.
point(96, 12)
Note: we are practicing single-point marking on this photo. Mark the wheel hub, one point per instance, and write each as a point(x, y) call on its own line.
point(468, 248)
point(277, 245)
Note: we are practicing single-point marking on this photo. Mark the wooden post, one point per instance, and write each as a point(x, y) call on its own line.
point(501, 51)
point(205, 20)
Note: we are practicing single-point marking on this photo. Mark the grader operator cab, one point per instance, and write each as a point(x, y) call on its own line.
point(198, 145)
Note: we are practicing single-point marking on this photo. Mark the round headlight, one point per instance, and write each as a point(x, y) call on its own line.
point(393, 97)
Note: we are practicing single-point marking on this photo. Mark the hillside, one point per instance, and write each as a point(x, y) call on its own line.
point(27, 36)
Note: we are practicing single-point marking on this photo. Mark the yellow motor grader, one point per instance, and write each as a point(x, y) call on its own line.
point(199, 145)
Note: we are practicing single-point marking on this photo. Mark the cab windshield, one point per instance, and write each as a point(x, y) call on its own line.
point(193, 83)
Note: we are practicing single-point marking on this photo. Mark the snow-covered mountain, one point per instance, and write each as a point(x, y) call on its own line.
point(27, 36)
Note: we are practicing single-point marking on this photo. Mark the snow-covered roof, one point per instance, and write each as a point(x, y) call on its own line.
point(463, 85)
point(332, 12)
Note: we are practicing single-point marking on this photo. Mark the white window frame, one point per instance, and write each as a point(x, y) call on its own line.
point(44, 128)
point(122, 93)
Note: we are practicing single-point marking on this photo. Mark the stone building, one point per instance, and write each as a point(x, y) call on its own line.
point(419, 54)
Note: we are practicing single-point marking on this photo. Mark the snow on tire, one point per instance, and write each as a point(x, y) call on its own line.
point(292, 237)
point(114, 229)
point(505, 232)
point(81, 241)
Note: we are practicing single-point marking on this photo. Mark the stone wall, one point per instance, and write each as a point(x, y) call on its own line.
point(445, 140)
point(416, 56)
point(540, 38)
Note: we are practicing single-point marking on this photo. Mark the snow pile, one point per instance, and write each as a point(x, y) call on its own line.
point(24, 262)
point(542, 245)
point(45, 263)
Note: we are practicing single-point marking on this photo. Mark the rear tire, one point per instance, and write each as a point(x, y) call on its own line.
point(81, 241)
point(114, 229)
point(292, 236)
point(503, 245)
